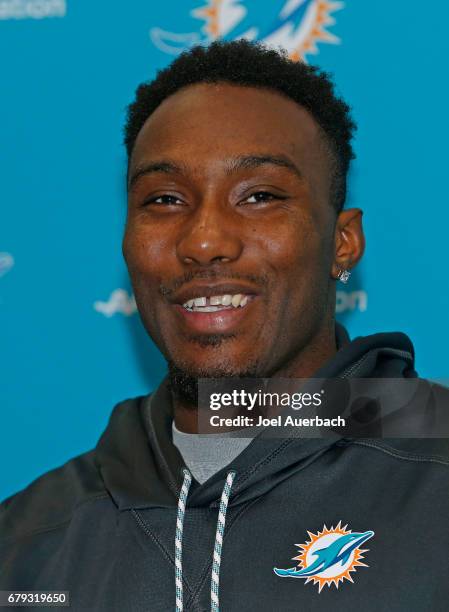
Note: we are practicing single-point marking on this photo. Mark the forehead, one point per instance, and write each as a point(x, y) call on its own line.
point(205, 117)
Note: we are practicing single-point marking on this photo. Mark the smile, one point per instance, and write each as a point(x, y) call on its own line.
point(216, 303)
point(217, 313)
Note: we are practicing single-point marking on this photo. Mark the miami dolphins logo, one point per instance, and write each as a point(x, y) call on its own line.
point(296, 25)
point(329, 556)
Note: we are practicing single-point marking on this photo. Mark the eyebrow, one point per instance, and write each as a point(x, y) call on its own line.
point(166, 167)
point(255, 161)
point(232, 165)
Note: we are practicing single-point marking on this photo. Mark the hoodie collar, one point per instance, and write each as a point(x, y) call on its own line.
point(141, 467)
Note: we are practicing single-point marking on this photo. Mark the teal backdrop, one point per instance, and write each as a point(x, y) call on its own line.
point(71, 343)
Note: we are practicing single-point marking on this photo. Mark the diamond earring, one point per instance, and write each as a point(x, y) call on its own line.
point(343, 275)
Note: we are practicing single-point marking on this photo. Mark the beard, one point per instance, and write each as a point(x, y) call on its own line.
point(183, 381)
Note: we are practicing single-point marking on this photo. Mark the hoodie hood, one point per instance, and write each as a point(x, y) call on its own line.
point(149, 472)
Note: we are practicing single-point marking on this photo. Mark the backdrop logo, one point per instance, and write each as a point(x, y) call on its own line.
point(119, 302)
point(295, 25)
point(32, 9)
point(6, 263)
point(351, 300)
point(329, 556)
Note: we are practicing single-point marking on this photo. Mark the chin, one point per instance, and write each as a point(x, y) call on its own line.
point(212, 355)
point(218, 367)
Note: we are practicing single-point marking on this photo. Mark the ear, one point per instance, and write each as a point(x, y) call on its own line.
point(349, 240)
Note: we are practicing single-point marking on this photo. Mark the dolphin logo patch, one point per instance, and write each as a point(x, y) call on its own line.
point(329, 556)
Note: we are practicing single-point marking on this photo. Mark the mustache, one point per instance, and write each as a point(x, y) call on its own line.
point(165, 290)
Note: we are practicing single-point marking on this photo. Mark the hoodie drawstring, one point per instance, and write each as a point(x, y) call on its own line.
point(178, 538)
point(219, 541)
point(215, 582)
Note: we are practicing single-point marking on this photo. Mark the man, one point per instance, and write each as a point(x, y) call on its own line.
point(235, 237)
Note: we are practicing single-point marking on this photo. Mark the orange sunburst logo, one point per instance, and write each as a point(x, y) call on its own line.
point(317, 32)
point(329, 556)
point(300, 39)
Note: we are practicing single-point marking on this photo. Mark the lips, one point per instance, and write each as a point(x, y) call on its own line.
point(219, 318)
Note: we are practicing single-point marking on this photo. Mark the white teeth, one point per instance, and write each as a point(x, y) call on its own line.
point(235, 301)
point(211, 304)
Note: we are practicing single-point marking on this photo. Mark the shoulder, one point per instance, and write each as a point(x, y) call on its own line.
point(414, 450)
point(50, 500)
point(417, 430)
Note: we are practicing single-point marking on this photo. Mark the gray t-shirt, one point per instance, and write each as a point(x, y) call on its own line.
point(206, 454)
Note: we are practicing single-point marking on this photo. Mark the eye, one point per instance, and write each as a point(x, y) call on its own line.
point(165, 200)
point(261, 196)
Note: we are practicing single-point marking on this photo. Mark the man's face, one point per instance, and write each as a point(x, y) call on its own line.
point(229, 196)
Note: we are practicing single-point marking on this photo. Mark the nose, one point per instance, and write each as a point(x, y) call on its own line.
point(209, 236)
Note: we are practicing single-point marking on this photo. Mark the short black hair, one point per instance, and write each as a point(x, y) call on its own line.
point(252, 64)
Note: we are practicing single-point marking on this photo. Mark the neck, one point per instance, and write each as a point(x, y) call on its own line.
point(303, 364)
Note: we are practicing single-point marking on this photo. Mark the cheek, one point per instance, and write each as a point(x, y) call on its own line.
point(300, 271)
point(145, 255)
point(291, 246)
point(145, 251)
